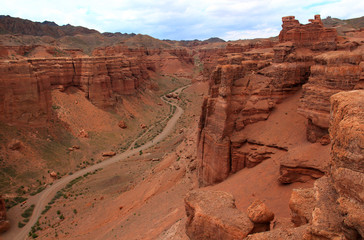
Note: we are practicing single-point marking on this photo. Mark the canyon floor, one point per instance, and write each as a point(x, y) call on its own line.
point(142, 196)
point(130, 177)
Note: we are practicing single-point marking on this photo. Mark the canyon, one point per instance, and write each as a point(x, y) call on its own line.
point(269, 146)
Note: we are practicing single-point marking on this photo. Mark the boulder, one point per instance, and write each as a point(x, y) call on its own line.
point(122, 124)
point(83, 134)
point(260, 215)
point(15, 144)
point(53, 174)
point(258, 212)
point(108, 154)
point(213, 215)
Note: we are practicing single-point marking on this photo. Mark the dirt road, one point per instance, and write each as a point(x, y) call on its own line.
point(41, 199)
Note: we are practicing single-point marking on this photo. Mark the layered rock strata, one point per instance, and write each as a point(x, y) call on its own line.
point(25, 92)
point(246, 85)
point(313, 35)
point(334, 208)
point(244, 89)
point(332, 72)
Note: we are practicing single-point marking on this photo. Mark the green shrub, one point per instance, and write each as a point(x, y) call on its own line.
point(20, 224)
point(46, 209)
point(28, 212)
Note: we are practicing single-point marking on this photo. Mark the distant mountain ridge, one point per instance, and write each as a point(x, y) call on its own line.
point(11, 25)
point(343, 26)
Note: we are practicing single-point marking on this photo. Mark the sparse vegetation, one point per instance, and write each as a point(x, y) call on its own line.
point(28, 212)
point(12, 202)
point(46, 209)
point(55, 107)
point(41, 188)
point(20, 224)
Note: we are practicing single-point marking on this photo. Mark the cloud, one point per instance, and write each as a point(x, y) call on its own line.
point(181, 19)
point(249, 34)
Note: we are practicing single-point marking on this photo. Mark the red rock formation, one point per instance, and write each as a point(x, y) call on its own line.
point(333, 72)
point(4, 223)
point(108, 154)
point(25, 90)
point(242, 92)
point(313, 35)
point(334, 207)
point(246, 85)
point(213, 215)
point(302, 203)
point(347, 167)
point(280, 233)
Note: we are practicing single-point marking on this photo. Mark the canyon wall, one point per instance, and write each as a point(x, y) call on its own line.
point(25, 90)
point(26, 85)
point(247, 83)
point(333, 72)
point(332, 209)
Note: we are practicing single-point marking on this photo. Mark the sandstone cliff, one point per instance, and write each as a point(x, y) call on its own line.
point(26, 85)
point(333, 71)
point(332, 209)
point(244, 89)
point(313, 35)
point(248, 83)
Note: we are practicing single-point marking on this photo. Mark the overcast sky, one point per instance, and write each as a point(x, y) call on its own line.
point(177, 19)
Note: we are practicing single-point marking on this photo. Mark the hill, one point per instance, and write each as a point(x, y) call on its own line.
point(343, 26)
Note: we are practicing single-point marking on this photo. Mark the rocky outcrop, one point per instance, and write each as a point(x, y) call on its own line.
point(25, 91)
point(246, 85)
point(213, 215)
point(347, 166)
point(313, 35)
point(302, 203)
point(4, 223)
point(280, 233)
point(332, 72)
point(244, 90)
point(304, 163)
point(334, 207)
point(108, 154)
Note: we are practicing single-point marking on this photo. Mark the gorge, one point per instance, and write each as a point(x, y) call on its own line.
point(269, 146)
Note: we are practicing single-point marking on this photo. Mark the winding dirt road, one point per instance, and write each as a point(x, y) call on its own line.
point(41, 199)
